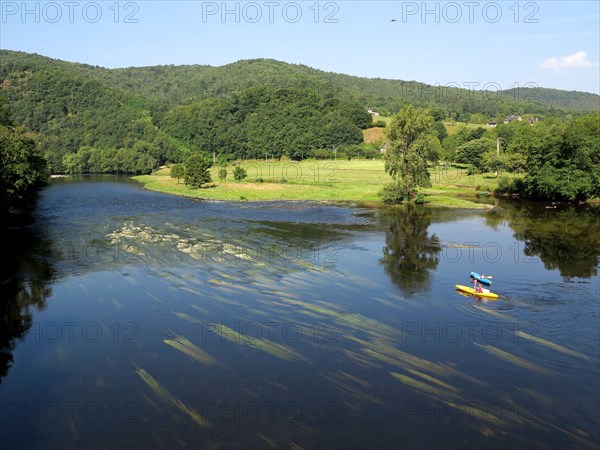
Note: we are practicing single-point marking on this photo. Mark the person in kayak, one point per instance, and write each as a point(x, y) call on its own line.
point(477, 287)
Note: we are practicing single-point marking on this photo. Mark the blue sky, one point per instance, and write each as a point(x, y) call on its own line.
point(497, 45)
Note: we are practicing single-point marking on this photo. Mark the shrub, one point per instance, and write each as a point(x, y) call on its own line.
point(177, 171)
point(222, 174)
point(196, 171)
point(321, 153)
point(392, 193)
point(239, 174)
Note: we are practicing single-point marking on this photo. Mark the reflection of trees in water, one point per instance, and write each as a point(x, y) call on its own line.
point(564, 239)
point(24, 283)
point(409, 251)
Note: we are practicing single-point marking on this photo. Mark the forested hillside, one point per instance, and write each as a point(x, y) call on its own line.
point(23, 169)
point(88, 118)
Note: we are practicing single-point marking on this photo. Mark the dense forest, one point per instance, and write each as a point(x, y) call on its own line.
point(88, 119)
point(23, 169)
point(91, 119)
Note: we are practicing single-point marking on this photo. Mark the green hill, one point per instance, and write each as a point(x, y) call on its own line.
point(242, 109)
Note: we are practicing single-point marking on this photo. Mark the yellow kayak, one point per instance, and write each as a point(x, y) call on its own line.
point(471, 291)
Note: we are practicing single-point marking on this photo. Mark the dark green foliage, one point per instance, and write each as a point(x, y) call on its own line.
point(222, 174)
point(420, 198)
point(451, 144)
point(109, 160)
point(239, 173)
point(413, 143)
point(472, 152)
point(23, 170)
point(504, 184)
point(440, 129)
point(283, 122)
point(196, 171)
point(241, 110)
point(90, 119)
point(393, 193)
point(177, 171)
point(321, 153)
point(563, 159)
point(476, 133)
point(69, 109)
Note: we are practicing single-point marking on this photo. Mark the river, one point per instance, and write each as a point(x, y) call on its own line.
point(134, 319)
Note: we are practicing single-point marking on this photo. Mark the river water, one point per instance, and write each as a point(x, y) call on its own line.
point(134, 319)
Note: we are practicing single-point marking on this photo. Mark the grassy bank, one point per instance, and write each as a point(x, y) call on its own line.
point(356, 180)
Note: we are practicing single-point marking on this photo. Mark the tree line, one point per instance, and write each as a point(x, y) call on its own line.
point(241, 110)
point(558, 159)
point(23, 169)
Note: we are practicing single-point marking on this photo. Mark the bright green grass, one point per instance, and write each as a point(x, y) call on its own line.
point(356, 180)
point(385, 119)
point(453, 127)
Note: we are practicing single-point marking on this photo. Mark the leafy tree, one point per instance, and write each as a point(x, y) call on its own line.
point(563, 160)
point(196, 171)
point(5, 117)
point(23, 170)
point(222, 173)
point(476, 133)
point(177, 171)
point(413, 142)
point(451, 144)
point(472, 152)
point(239, 173)
point(440, 129)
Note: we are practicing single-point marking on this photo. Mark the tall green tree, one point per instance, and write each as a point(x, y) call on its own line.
point(196, 171)
point(177, 171)
point(23, 170)
point(413, 142)
point(472, 152)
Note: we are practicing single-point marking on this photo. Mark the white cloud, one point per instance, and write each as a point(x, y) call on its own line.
point(575, 61)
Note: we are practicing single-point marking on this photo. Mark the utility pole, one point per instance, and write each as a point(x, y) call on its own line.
point(498, 147)
point(334, 152)
point(214, 158)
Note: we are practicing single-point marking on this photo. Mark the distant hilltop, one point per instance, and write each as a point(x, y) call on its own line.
point(183, 84)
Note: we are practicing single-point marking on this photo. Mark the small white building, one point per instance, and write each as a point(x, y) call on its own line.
point(513, 118)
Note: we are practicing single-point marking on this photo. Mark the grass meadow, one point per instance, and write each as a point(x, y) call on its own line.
point(325, 180)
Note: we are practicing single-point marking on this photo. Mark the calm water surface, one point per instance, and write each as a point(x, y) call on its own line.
point(133, 319)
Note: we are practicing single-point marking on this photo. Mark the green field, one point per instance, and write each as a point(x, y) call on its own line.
point(356, 180)
point(453, 127)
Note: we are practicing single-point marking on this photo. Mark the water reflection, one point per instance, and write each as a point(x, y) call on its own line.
point(576, 253)
point(410, 251)
point(26, 274)
point(213, 311)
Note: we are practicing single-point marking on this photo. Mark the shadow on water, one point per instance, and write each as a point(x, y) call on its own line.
point(26, 275)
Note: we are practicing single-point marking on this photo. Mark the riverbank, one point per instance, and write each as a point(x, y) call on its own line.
point(356, 180)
